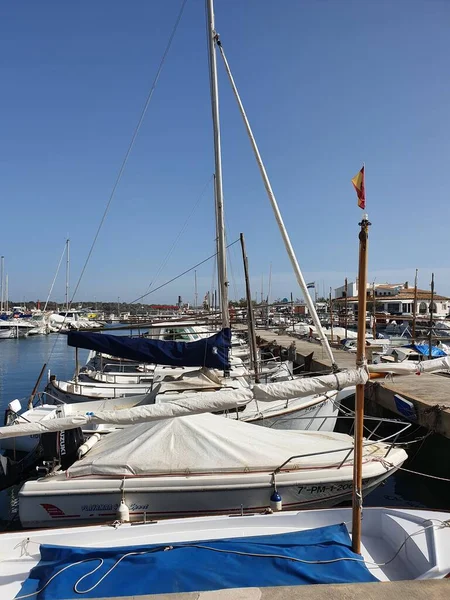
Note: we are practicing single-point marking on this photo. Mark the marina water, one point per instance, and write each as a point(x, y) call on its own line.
point(22, 359)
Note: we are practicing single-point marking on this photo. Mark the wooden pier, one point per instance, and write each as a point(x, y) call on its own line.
point(428, 394)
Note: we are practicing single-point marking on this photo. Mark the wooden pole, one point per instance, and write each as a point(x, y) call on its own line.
point(250, 316)
point(36, 385)
point(346, 310)
point(359, 408)
point(430, 335)
point(413, 333)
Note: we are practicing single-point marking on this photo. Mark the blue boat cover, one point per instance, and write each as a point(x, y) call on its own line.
point(198, 566)
point(424, 350)
point(210, 352)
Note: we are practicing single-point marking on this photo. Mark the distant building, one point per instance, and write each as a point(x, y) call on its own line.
point(396, 299)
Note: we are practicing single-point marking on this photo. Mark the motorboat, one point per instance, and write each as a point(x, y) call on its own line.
point(202, 464)
point(15, 328)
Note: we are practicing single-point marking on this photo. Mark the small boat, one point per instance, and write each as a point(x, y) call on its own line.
point(202, 465)
point(15, 328)
point(218, 552)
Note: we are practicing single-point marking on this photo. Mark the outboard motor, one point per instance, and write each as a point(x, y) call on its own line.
point(62, 446)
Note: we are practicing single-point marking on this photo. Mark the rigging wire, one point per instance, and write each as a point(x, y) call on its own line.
point(183, 273)
point(124, 162)
point(56, 275)
point(133, 140)
point(180, 233)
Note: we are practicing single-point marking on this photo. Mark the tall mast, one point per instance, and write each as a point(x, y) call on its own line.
point(221, 258)
point(67, 271)
point(278, 217)
point(2, 266)
point(250, 315)
point(6, 293)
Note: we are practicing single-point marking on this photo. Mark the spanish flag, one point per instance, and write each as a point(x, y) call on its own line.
point(358, 184)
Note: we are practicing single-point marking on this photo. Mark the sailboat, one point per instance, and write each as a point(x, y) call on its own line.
point(211, 553)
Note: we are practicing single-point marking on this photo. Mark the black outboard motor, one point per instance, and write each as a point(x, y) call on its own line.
point(62, 446)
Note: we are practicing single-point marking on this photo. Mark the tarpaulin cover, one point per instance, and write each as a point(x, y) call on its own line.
point(209, 352)
point(211, 444)
point(199, 566)
point(424, 349)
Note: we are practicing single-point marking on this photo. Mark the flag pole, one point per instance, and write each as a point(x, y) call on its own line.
point(359, 408)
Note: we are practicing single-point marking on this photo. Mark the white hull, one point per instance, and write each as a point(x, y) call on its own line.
point(70, 392)
point(317, 413)
point(424, 555)
point(55, 501)
point(53, 509)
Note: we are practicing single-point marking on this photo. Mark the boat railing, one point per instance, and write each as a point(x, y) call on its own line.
point(389, 440)
point(115, 378)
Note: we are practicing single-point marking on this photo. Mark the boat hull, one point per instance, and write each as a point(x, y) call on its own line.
point(89, 503)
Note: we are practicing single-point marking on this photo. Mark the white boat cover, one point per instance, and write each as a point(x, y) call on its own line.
point(202, 402)
point(308, 386)
point(208, 444)
point(408, 367)
point(191, 380)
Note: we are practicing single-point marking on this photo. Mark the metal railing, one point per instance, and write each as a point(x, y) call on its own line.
point(392, 438)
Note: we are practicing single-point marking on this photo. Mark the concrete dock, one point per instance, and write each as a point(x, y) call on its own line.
point(428, 394)
point(434, 589)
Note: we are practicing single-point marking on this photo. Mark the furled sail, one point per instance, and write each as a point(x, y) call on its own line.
point(211, 352)
point(202, 402)
point(308, 386)
point(408, 367)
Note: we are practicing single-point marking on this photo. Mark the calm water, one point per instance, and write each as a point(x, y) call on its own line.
point(21, 361)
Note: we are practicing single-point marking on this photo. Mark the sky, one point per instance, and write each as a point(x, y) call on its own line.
point(327, 85)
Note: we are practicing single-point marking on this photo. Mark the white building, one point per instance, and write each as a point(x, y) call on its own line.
point(396, 299)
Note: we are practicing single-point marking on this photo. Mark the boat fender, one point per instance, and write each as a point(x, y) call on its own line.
point(88, 444)
point(276, 504)
point(123, 512)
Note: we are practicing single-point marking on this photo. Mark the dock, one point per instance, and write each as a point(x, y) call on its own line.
point(433, 589)
point(428, 394)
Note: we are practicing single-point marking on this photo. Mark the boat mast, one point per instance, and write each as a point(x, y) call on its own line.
point(6, 293)
point(67, 271)
point(221, 247)
point(2, 266)
point(430, 335)
point(413, 333)
point(359, 400)
point(195, 290)
point(278, 217)
point(250, 315)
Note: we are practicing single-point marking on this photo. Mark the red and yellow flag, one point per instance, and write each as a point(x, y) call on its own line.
point(358, 184)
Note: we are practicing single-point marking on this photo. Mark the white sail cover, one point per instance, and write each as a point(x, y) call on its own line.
point(308, 386)
point(208, 444)
point(408, 367)
point(189, 405)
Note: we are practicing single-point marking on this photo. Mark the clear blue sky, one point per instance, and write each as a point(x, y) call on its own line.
point(327, 85)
